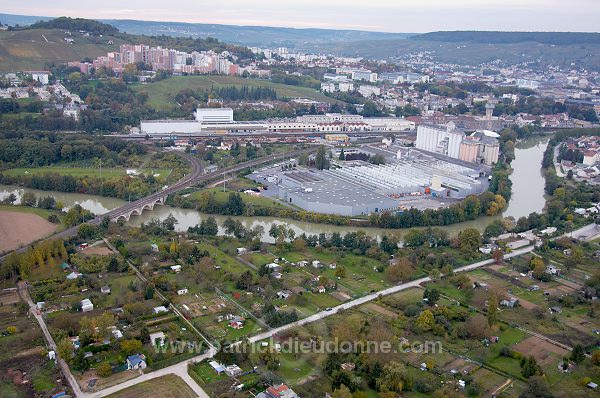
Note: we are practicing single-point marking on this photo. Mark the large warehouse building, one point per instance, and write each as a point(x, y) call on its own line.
point(221, 119)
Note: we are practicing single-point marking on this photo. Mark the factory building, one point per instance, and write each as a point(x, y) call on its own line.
point(479, 147)
point(214, 115)
point(435, 139)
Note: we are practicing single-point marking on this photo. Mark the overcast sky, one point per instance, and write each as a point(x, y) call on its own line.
point(378, 15)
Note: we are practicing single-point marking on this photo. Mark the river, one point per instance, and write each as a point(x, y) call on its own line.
point(528, 196)
point(528, 182)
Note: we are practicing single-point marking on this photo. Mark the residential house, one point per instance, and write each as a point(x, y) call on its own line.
point(176, 268)
point(105, 289)
point(510, 303)
point(217, 367)
point(154, 247)
point(137, 361)
point(284, 294)
point(233, 370)
point(278, 391)
point(241, 250)
point(160, 309)
point(182, 291)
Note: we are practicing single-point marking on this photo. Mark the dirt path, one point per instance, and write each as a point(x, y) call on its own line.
point(19, 229)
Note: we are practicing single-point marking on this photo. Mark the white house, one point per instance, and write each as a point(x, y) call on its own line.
point(160, 309)
point(241, 250)
point(273, 267)
point(176, 268)
point(317, 264)
point(86, 305)
point(182, 291)
point(217, 367)
point(73, 275)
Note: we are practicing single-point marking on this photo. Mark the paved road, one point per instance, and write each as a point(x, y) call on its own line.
point(587, 233)
point(373, 296)
point(180, 369)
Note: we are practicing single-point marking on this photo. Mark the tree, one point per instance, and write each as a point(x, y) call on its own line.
point(498, 256)
point(104, 369)
point(342, 392)
point(210, 227)
point(321, 161)
point(537, 387)
point(425, 321)
point(130, 347)
point(87, 231)
point(400, 270)
point(28, 199)
point(530, 367)
point(492, 310)
point(64, 349)
point(342, 155)
point(432, 295)
point(596, 358)
point(538, 267)
point(578, 354)
point(469, 240)
point(393, 378)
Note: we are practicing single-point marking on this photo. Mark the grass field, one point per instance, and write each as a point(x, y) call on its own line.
point(256, 201)
point(162, 94)
point(169, 386)
point(81, 171)
point(32, 49)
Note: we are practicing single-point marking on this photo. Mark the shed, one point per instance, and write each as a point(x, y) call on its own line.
point(87, 305)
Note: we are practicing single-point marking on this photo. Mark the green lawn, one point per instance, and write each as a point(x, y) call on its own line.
point(81, 171)
point(26, 209)
point(161, 94)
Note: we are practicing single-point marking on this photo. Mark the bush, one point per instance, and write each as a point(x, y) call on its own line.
point(104, 369)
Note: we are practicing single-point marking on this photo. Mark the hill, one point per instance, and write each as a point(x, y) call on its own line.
point(491, 37)
point(35, 48)
point(161, 94)
point(250, 35)
point(42, 43)
point(474, 53)
point(243, 35)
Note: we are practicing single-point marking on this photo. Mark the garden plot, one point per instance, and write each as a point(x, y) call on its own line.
point(545, 353)
point(201, 305)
